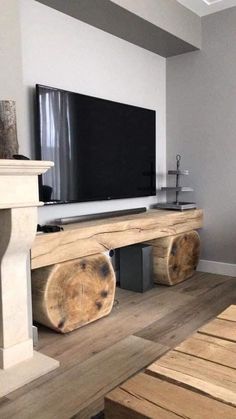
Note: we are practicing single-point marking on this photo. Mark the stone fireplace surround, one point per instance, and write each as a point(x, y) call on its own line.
point(19, 363)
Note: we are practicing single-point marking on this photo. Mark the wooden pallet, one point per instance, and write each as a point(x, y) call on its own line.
point(196, 380)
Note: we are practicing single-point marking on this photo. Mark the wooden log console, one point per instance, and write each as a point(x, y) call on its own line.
point(97, 236)
point(72, 281)
point(71, 294)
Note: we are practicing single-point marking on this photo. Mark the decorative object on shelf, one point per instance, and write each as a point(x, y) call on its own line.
point(8, 134)
point(20, 157)
point(177, 204)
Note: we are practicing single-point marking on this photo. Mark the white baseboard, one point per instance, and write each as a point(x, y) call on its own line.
point(220, 268)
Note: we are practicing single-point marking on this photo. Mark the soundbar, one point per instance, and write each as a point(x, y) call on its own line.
point(98, 216)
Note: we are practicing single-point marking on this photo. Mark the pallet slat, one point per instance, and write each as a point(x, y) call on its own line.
point(146, 396)
point(212, 379)
point(211, 349)
point(228, 314)
point(223, 329)
point(121, 404)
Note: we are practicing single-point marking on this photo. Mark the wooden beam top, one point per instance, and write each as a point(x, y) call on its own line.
point(96, 236)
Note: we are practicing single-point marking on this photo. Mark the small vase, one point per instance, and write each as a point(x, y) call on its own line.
point(8, 133)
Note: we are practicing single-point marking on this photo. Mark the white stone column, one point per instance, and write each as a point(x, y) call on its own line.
point(19, 364)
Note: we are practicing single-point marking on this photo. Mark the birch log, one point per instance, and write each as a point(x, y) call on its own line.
point(175, 258)
point(71, 294)
point(8, 134)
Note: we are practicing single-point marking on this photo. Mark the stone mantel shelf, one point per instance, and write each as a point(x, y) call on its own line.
point(24, 167)
point(19, 199)
point(19, 182)
point(20, 205)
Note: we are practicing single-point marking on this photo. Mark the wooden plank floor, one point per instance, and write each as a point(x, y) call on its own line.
point(99, 356)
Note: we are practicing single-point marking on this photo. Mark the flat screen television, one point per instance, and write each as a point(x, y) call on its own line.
point(101, 149)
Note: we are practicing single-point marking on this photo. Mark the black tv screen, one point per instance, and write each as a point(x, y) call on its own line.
point(101, 149)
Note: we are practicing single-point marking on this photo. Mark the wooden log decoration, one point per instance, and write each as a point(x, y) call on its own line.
point(8, 134)
point(71, 294)
point(175, 258)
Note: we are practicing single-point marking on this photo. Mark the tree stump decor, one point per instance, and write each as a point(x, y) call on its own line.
point(175, 258)
point(8, 134)
point(71, 294)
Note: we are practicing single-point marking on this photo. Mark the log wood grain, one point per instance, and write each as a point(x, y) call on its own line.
point(175, 258)
point(69, 295)
point(91, 237)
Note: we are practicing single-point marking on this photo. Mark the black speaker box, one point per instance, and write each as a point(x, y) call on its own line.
point(136, 271)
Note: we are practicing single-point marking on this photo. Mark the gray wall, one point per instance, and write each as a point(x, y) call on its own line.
point(201, 125)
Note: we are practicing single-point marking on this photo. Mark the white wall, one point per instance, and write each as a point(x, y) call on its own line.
point(11, 87)
point(60, 51)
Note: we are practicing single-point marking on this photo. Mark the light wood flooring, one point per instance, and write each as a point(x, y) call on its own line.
point(100, 356)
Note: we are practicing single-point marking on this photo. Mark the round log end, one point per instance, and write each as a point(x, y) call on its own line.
point(74, 293)
point(184, 257)
point(176, 257)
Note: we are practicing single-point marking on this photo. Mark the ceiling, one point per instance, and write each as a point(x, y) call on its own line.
point(206, 7)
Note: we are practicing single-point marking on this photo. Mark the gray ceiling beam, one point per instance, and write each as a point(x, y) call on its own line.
point(118, 21)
